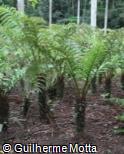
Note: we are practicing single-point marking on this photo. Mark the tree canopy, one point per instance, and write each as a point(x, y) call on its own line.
point(65, 11)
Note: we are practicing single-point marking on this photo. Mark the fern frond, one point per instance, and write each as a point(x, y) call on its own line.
point(10, 17)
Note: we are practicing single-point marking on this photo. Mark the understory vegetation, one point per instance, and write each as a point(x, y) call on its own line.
point(43, 60)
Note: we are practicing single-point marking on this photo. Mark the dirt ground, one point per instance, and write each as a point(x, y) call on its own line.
point(100, 121)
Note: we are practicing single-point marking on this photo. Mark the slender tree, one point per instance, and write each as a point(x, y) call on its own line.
point(20, 5)
point(93, 13)
point(84, 10)
point(50, 12)
point(106, 16)
point(78, 12)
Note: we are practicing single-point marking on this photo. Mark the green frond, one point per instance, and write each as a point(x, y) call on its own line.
point(10, 17)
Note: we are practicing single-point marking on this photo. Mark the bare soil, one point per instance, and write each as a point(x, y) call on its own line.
point(100, 121)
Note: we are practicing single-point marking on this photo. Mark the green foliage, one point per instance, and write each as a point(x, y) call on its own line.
point(11, 3)
point(33, 2)
point(119, 130)
point(28, 48)
point(120, 117)
point(9, 16)
point(10, 49)
point(70, 50)
point(66, 11)
point(117, 101)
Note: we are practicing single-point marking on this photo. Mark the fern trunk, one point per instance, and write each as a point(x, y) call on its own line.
point(108, 84)
point(80, 113)
point(42, 98)
point(122, 80)
point(4, 109)
point(43, 106)
point(57, 89)
point(52, 92)
point(93, 84)
point(26, 106)
point(100, 77)
point(60, 86)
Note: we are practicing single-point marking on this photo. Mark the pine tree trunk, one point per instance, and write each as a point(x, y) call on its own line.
point(93, 13)
point(80, 114)
point(20, 5)
point(50, 12)
point(78, 12)
point(106, 16)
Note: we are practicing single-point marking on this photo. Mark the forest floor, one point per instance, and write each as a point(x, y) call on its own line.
point(100, 121)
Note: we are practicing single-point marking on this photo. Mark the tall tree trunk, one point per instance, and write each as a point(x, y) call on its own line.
point(73, 10)
point(93, 13)
point(84, 10)
point(50, 12)
point(78, 12)
point(106, 16)
point(20, 5)
point(113, 4)
point(80, 113)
